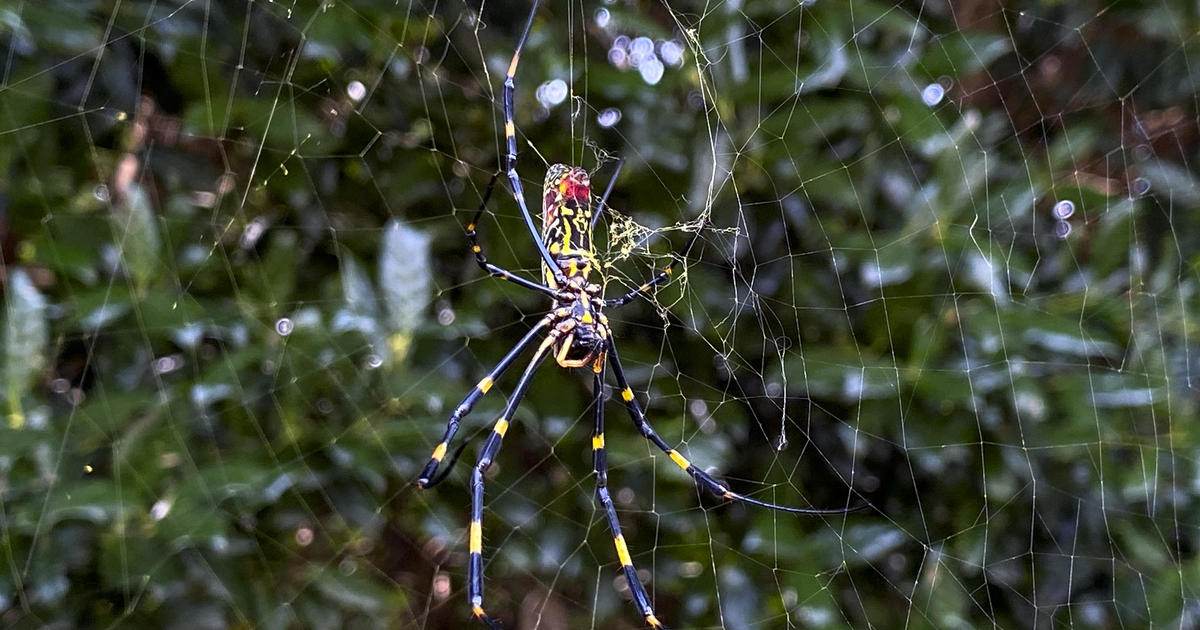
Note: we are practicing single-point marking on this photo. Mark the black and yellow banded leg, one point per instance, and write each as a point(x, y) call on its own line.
point(612, 182)
point(702, 479)
point(659, 277)
point(486, 456)
point(599, 456)
point(510, 155)
point(600, 465)
point(481, 258)
point(427, 479)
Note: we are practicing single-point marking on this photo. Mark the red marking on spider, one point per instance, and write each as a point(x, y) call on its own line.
point(580, 191)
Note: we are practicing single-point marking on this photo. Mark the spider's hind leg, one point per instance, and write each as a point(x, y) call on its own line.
point(427, 479)
point(486, 456)
point(702, 479)
point(600, 467)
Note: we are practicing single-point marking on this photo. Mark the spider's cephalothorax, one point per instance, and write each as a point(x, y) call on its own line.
point(582, 330)
point(577, 334)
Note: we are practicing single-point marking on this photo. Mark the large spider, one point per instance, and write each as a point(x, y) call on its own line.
point(577, 333)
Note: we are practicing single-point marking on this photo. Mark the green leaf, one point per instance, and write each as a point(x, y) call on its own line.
point(405, 281)
point(137, 238)
point(25, 342)
point(97, 501)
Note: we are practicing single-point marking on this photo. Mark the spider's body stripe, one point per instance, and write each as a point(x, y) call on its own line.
point(622, 551)
point(476, 537)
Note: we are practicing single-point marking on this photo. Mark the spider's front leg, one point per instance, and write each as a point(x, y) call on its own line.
point(481, 258)
point(510, 156)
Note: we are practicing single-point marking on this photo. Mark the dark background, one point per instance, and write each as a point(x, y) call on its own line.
point(238, 307)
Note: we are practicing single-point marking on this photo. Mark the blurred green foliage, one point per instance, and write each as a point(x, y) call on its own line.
point(238, 307)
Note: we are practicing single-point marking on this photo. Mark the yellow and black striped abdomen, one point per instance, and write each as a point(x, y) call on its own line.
point(567, 220)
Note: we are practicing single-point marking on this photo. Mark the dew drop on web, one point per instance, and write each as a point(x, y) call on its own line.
point(1064, 209)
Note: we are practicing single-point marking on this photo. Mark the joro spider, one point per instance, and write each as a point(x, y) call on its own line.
point(577, 332)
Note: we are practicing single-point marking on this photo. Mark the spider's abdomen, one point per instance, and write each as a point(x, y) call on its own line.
point(567, 220)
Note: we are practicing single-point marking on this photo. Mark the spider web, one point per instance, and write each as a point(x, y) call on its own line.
point(947, 267)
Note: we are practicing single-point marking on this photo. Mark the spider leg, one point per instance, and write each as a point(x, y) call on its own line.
point(510, 157)
point(702, 479)
point(600, 467)
point(612, 181)
point(482, 260)
point(659, 277)
point(427, 479)
point(490, 448)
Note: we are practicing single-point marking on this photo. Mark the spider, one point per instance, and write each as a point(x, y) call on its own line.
point(576, 333)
